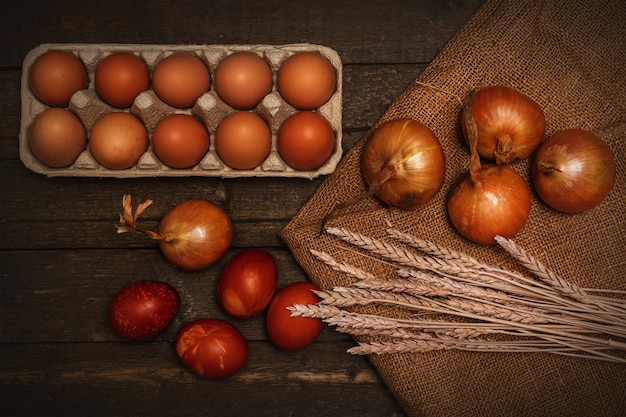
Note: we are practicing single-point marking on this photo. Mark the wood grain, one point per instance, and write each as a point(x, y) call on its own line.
point(61, 260)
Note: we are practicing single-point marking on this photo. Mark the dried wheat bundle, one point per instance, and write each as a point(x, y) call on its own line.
point(442, 299)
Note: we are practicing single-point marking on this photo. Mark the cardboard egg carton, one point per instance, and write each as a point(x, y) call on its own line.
point(209, 109)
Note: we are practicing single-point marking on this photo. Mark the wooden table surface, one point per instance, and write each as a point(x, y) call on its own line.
point(61, 260)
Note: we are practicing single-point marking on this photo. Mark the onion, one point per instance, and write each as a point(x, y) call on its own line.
point(497, 204)
point(488, 200)
point(192, 236)
point(509, 125)
point(403, 163)
point(573, 170)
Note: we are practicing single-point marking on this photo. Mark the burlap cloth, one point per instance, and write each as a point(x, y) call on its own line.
point(570, 56)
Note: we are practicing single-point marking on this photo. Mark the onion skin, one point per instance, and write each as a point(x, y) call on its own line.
point(195, 234)
point(498, 204)
point(403, 163)
point(510, 125)
point(573, 171)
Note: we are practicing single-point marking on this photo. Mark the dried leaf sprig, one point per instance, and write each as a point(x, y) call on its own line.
point(128, 219)
point(442, 299)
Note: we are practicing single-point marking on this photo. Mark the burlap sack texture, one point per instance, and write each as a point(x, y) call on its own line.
point(570, 56)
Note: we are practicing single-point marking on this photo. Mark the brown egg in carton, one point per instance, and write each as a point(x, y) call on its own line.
point(209, 109)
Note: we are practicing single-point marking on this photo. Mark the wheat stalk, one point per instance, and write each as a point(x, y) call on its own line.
point(554, 280)
point(471, 309)
point(451, 301)
point(434, 249)
point(521, 255)
point(488, 274)
point(406, 258)
point(342, 267)
point(425, 346)
point(460, 296)
point(541, 271)
point(368, 324)
point(482, 275)
point(442, 286)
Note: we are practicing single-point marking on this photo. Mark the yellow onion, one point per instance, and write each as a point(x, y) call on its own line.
point(497, 204)
point(192, 236)
point(509, 125)
point(490, 200)
point(573, 170)
point(403, 163)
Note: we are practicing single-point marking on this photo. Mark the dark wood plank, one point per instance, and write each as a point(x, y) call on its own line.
point(68, 292)
point(142, 379)
point(399, 32)
point(71, 199)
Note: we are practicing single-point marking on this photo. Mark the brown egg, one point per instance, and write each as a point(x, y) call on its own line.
point(180, 79)
point(57, 137)
point(306, 140)
point(180, 141)
point(242, 79)
point(117, 140)
point(243, 140)
point(120, 77)
point(55, 76)
point(306, 80)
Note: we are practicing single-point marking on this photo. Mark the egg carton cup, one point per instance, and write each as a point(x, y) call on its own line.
point(209, 109)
